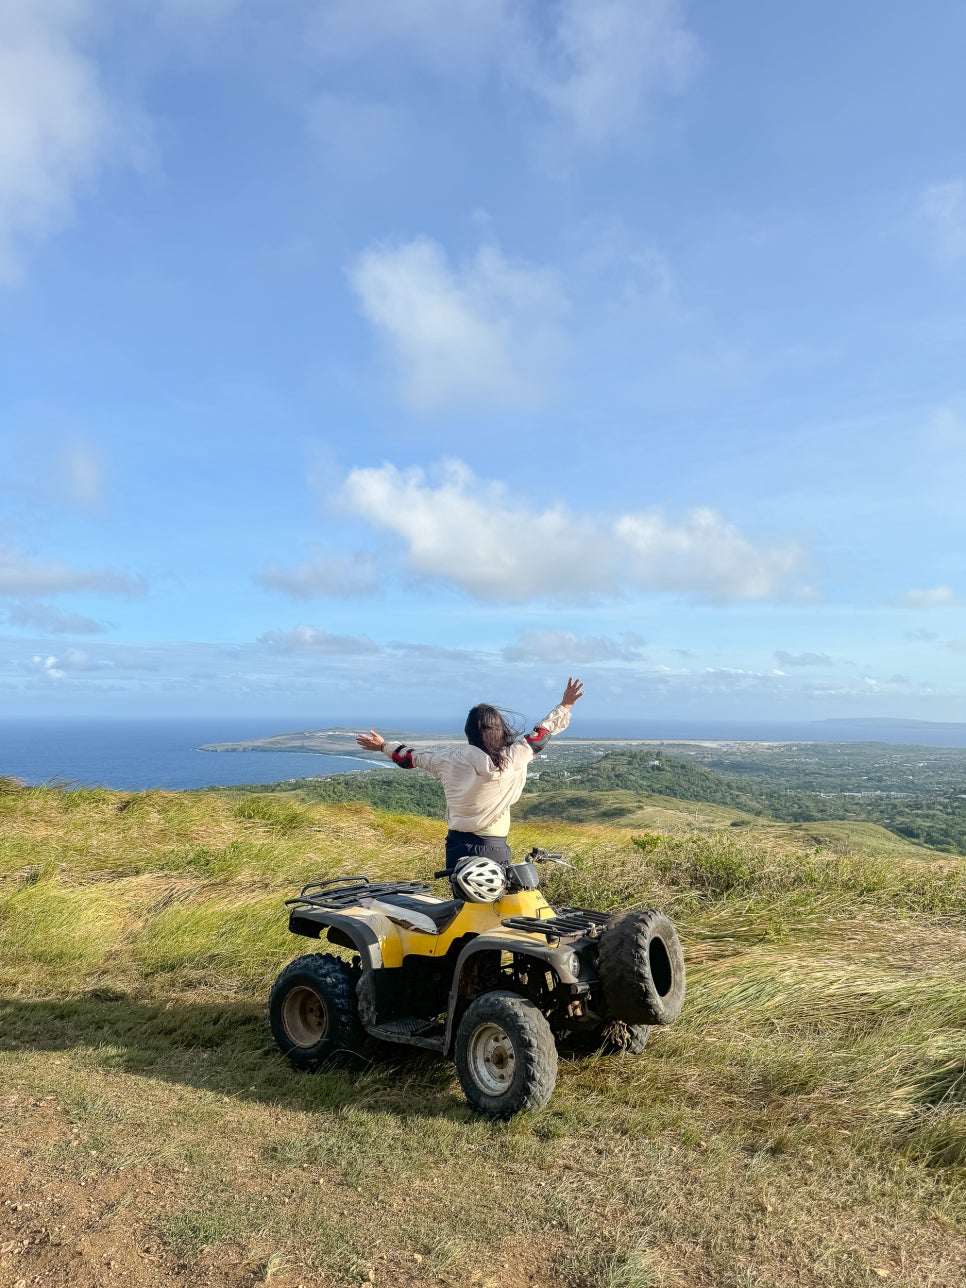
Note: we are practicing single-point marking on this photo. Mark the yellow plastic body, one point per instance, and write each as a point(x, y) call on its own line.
point(397, 942)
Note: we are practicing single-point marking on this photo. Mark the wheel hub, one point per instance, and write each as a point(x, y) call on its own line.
point(305, 1016)
point(492, 1061)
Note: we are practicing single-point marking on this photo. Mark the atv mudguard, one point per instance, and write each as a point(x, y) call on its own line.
point(556, 959)
point(367, 935)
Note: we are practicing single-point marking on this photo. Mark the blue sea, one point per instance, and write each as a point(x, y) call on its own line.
point(134, 755)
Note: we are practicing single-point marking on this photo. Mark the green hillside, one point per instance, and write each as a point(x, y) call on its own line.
point(931, 814)
point(930, 817)
point(654, 774)
point(804, 1122)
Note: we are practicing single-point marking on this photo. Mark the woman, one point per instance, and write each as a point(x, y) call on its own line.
point(483, 780)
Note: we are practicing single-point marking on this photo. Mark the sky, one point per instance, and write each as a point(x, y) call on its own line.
point(360, 358)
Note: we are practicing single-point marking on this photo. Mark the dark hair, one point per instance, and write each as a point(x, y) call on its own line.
point(487, 728)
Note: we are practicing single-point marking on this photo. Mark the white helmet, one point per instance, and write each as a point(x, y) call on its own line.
point(480, 880)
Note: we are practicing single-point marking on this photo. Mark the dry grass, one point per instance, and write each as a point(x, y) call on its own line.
point(803, 1123)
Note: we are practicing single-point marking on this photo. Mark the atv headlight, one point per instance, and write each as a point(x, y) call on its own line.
point(573, 964)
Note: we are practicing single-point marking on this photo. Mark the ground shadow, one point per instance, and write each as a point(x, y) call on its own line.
point(226, 1047)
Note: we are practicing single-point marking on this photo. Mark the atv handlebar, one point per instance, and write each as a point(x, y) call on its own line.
point(536, 855)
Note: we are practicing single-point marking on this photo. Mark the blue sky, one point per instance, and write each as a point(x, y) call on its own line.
point(359, 357)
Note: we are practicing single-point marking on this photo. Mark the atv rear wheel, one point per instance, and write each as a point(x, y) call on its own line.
point(312, 1011)
point(506, 1059)
point(642, 968)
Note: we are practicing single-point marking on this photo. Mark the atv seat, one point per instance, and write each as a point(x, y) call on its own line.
point(417, 912)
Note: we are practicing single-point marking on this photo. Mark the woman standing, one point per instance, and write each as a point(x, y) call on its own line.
point(482, 780)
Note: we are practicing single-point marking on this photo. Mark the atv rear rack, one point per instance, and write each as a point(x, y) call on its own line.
point(565, 923)
point(345, 892)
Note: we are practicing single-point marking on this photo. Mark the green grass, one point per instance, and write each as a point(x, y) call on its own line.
point(803, 1122)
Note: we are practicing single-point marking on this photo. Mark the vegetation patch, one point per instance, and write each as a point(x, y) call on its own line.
point(802, 1123)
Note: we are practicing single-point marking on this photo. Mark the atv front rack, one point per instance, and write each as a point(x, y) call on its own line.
point(345, 892)
point(565, 923)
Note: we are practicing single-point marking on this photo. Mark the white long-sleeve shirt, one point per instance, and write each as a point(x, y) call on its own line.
point(478, 795)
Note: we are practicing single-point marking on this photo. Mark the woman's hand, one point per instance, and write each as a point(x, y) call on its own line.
point(573, 691)
point(371, 741)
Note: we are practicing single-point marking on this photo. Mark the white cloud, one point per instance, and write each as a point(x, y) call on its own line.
point(567, 649)
point(51, 620)
point(57, 126)
point(469, 533)
point(591, 70)
point(75, 659)
point(309, 639)
point(324, 574)
point(25, 577)
point(48, 666)
point(943, 206)
point(704, 554)
point(486, 331)
point(610, 59)
point(934, 597)
point(802, 659)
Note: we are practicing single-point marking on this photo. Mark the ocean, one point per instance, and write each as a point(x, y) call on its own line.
point(134, 755)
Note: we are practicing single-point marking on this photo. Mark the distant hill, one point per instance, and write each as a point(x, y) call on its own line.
point(656, 774)
point(934, 816)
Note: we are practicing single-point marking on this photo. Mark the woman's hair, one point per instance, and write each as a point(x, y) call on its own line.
point(488, 728)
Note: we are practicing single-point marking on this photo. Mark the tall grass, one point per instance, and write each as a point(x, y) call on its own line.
point(818, 1068)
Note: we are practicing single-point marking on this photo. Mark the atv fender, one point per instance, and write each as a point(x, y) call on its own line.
point(556, 959)
point(366, 935)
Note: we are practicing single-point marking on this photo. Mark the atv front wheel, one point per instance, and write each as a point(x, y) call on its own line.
point(312, 1011)
point(506, 1059)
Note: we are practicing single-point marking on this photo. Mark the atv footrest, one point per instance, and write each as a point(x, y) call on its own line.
point(564, 924)
point(413, 1030)
point(345, 892)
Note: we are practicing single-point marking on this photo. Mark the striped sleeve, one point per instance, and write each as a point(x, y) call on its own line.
point(400, 755)
point(541, 733)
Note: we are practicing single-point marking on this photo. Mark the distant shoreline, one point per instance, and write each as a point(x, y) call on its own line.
point(283, 743)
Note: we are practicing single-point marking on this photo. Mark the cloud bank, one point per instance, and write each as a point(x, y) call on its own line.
point(472, 534)
point(326, 573)
point(52, 621)
point(931, 597)
point(20, 576)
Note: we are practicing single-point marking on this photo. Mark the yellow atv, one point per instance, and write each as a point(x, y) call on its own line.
point(493, 977)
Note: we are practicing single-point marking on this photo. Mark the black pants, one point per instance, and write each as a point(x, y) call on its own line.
point(468, 845)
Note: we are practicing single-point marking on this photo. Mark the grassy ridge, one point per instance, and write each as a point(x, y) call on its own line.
point(932, 814)
point(804, 1122)
point(926, 808)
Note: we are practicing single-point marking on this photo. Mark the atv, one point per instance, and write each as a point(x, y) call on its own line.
point(493, 977)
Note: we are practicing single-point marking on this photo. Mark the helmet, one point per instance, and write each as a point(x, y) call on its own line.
point(480, 880)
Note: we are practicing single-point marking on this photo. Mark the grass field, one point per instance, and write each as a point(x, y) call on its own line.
point(804, 1122)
